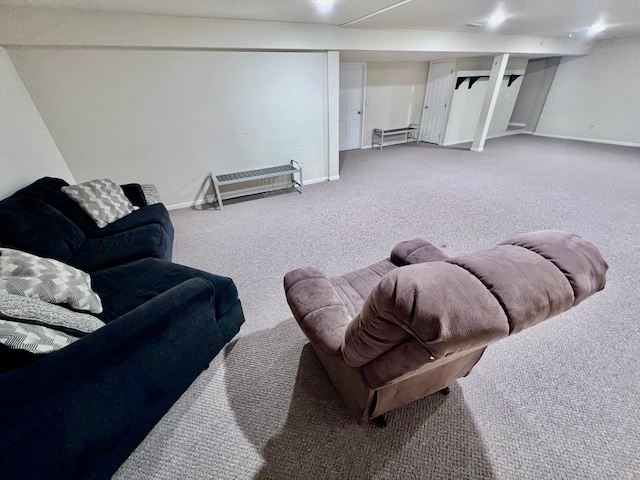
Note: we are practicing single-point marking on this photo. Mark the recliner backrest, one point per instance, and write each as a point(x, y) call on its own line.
point(428, 311)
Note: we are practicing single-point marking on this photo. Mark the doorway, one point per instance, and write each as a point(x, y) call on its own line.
point(437, 100)
point(351, 112)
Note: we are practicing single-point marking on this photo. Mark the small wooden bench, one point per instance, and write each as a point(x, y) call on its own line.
point(250, 175)
point(409, 132)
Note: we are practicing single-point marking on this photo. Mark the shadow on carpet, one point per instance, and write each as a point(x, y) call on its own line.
point(286, 406)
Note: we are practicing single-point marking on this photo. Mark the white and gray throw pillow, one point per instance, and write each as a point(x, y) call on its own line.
point(102, 199)
point(151, 195)
point(16, 308)
point(46, 279)
point(32, 338)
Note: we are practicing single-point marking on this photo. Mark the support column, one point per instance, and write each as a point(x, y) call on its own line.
point(489, 104)
point(333, 102)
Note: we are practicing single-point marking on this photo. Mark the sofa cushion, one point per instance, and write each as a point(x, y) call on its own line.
point(128, 246)
point(11, 359)
point(48, 190)
point(128, 286)
point(16, 308)
point(102, 199)
point(31, 225)
point(46, 279)
point(134, 193)
point(153, 214)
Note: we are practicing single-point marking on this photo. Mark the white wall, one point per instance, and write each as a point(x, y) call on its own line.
point(467, 102)
point(394, 96)
point(168, 117)
point(597, 97)
point(27, 151)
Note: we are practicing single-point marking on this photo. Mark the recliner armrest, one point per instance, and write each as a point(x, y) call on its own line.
point(317, 308)
point(417, 250)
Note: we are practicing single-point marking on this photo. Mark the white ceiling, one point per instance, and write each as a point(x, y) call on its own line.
point(555, 18)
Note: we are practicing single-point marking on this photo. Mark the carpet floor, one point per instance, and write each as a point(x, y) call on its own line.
point(559, 400)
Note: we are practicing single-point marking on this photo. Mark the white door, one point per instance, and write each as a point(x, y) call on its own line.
point(351, 113)
point(436, 100)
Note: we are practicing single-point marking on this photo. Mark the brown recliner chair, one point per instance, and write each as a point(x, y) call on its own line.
point(408, 326)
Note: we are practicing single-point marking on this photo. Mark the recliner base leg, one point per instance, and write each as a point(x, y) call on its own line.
point(379, 422)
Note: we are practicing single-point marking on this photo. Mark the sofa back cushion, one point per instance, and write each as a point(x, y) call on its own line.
point(31, 225)
point(49, 190)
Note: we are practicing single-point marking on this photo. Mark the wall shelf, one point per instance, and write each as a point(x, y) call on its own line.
point(474, 78)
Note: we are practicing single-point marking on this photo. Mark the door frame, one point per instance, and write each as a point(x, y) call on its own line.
point(363, 69)
point(450, 99)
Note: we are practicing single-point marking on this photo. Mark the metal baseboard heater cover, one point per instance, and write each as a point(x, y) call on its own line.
point(250, 175)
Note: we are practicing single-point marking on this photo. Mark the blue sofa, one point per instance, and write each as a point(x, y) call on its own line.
point(80, 411)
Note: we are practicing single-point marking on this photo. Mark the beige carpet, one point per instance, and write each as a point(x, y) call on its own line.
point(560, 400)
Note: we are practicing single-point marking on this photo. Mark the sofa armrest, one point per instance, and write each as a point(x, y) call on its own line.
point(134, 193)
point(317, 308)
point(96, 399)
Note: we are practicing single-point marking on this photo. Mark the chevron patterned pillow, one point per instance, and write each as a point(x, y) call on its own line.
point(32, 338)
point(103, 200)
point(46, 279)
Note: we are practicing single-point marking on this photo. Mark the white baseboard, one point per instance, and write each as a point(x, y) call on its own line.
point(315, 180)
point(210, 199)
point(197, 203)
point(388, 144)
point(457, 142)
point(498, 135)
point(592, 140)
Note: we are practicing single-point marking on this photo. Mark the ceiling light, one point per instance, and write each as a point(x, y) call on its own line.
point(495, 20)
point(597, 28)
point(324, 3)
